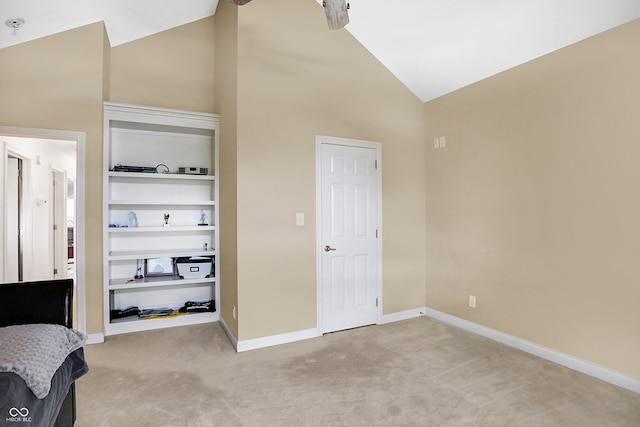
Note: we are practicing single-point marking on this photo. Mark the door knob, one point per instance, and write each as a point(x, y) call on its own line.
point(329, 248)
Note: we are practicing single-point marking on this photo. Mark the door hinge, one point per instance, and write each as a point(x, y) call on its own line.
point(55, 226)
point(376, 233)
point(375, 164)
point(55, 271)
point(376, 302)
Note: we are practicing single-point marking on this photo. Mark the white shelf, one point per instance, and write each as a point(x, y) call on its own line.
point(159, 253)
point(170, 229)
point(134, 202)
point(141, 175)
point(140, 135)
point(150, 282)
point(135, 324)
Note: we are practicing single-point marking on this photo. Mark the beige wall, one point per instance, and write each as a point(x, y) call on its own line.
point(226, 104)
point(296, 80)
point(176, 69)
point(530, 207)
point(533, 204)
point(171, 69)
point(57, 83)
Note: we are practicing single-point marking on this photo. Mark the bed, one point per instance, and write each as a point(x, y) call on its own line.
point(33, 317)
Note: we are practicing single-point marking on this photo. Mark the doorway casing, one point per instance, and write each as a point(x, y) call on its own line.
point(80, 139)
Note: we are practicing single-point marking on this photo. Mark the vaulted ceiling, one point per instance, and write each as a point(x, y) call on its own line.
point(433, 46)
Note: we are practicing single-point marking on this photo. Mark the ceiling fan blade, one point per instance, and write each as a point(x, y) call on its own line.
point(240, 2)
point(336, 11)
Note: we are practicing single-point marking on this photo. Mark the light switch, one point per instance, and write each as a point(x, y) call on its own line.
point(443, 142)
point(300, 219)
point(436, 142)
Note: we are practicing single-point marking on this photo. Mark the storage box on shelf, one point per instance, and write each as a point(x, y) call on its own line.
point(158, 206)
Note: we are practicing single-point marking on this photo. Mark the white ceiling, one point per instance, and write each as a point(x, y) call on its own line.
point(433, 46)
point(125, 20)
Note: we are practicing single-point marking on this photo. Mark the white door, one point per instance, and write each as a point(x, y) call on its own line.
point(348, 236)
point(13, 229)
point(59, 228)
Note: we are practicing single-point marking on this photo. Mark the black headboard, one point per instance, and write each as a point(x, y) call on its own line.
point(45, 301)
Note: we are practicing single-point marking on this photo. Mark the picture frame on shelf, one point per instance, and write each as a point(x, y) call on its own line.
point(157, 267)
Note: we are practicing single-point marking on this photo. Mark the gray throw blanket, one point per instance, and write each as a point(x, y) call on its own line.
point(36, 351)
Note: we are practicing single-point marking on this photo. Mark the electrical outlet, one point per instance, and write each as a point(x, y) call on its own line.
point(234, 311)
point(472, 301)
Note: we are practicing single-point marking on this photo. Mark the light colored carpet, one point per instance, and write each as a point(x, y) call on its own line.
point(419, 372)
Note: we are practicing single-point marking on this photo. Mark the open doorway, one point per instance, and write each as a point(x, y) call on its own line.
point(41, 208)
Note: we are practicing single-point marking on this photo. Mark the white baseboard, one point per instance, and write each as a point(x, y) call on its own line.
point(95, 338)
point(605, 374)
point(401, 315)
point(272, 340)
point(227, 331)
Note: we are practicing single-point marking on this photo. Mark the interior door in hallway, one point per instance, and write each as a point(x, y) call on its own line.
point(13, 247)
point(348, 236)
point(59, 241)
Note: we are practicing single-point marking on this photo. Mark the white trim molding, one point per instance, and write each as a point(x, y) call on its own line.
point(80, 139)
point(227, 330)
point(256, 343)
point(272, 340)
point(605, 374)
point(95, 338)
point(401, 315)
point(268, 341)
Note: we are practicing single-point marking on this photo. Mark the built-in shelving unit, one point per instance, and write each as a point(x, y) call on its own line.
point(155, 213)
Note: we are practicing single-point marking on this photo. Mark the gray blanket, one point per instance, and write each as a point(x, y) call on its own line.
point(36, 351)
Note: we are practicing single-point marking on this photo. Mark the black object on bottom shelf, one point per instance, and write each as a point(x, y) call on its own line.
point(198, 307)
point(189, 307)
point(155, 312)
point(129, 311)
